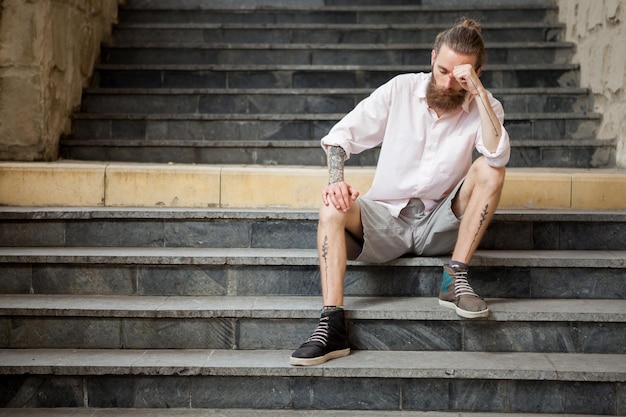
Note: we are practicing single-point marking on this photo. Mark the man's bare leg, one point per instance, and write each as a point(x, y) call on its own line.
point(476, 202)
point(330, 339)
point(332, 250)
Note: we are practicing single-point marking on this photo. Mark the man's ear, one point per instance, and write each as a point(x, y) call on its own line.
point(433, 55)
point(479, 70)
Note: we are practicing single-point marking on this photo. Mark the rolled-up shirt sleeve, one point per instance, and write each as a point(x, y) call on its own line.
point(501, 156)
point(364, 127)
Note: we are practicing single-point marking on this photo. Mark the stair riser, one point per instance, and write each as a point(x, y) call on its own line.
point(182, 153)
point(216, 103)
point(311, 78)
point(570, 156)
point(443, 16)
point(418, 55)
point(258, 392)
point(327, 35)
point(233, 233)
point(371, 280)
point(268, 128)
point(230, 333)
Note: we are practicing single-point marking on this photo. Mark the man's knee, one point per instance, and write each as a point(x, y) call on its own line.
point(331, 217)
point(488, 176)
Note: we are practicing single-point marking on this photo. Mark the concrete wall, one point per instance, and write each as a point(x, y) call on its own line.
point(598, 27)
point(47, 52)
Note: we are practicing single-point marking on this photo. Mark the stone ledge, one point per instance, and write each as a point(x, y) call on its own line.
point(103, 184)
point(305, 215)
point(300, 307)
point(361, 364)
point(297, 257)
point(237, 412)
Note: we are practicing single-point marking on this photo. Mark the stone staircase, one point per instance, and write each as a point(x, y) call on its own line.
point(165, 311)
point(201, 84)
point(158, 308)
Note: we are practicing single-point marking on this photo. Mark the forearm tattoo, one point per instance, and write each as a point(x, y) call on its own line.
point(336, 158)
point(493, 124)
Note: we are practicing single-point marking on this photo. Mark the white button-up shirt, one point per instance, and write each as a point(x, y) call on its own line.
point(422, 155)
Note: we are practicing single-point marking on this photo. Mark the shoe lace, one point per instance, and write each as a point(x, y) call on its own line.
point(461, 285)
point(321, 333)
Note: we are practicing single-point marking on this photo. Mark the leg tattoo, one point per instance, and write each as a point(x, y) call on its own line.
point(325, 257)
point(483, 219)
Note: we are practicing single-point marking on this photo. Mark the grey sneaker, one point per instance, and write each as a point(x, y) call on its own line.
point(457, 294)
point(328, 341)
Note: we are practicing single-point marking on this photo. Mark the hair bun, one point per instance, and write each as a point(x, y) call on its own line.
point(470, 23)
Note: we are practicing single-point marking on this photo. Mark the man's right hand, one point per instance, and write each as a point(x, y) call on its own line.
point(339, 195)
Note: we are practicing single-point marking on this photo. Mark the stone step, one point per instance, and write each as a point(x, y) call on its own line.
point(390, 33)
point(581, 153)
point(262, 272)
point(318, 13)
point(117, 184)
point(219, 228)
point(304, 4)
point(286, 101)
point(533, 75)
point(234, 412)
point(499, 53)
point(460, 381)
point(261, 323)
point(308, 126)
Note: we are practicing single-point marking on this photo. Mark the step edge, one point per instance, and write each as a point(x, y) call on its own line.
point(360, 364)
point(610, 259)
point(375, 46)
point(281, 214)
point(304, 307)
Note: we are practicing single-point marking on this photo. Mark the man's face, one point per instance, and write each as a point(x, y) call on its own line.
point(445, 92)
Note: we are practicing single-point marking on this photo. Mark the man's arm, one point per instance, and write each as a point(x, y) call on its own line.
point(338, 193)
point(336, 158)
point(491, 126)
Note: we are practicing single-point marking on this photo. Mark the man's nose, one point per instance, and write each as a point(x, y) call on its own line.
point(450, 80)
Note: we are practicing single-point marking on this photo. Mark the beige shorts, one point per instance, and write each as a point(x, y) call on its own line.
point(411, 233)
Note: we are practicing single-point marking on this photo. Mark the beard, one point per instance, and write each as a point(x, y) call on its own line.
point(444, 99)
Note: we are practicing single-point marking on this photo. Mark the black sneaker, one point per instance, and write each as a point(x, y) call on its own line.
point(328, 341)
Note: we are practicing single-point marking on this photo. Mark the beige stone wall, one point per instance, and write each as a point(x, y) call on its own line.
point(598, 27)
point(47, 52)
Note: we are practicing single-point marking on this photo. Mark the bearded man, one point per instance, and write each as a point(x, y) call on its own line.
point(428, 197)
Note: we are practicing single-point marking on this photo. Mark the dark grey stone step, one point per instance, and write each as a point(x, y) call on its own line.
point(219, 228)
point(319, 13)
point(303, 4)
point(238, 412)
point(216, 101)
point(307, 126)
point(525, 153)
point(316, 76)
point(411, 381)
point(390, 323)
point(259, 272)
point(321, 54)
point(325, 33)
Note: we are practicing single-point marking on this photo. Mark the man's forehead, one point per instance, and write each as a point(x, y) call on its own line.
point(449, 58)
